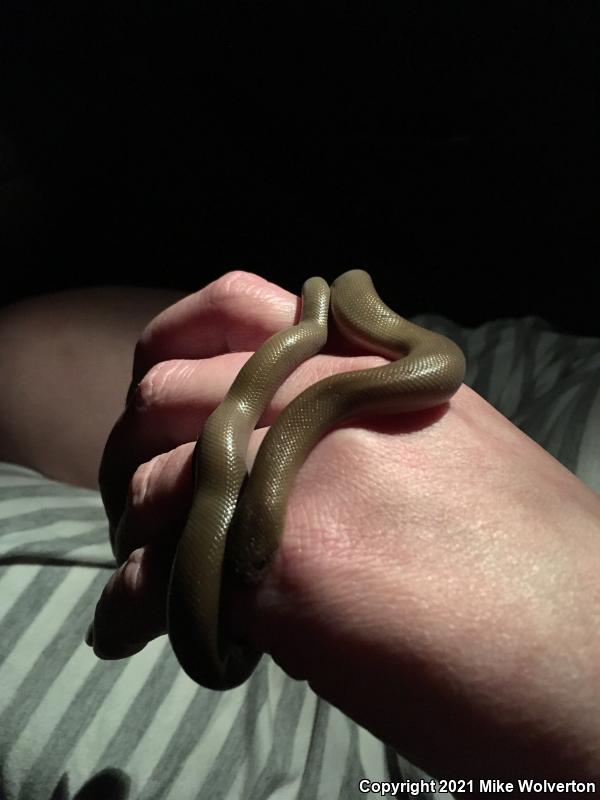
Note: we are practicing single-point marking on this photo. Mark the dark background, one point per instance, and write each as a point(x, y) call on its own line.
point(449, 148)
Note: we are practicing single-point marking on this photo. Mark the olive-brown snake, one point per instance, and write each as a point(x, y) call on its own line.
point(243, 534)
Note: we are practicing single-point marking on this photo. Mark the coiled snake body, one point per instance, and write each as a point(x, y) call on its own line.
point(242, 533)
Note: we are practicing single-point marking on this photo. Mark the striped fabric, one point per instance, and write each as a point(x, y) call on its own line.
point(72, 726)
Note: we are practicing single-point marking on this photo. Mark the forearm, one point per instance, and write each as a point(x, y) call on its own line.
point(65, 362)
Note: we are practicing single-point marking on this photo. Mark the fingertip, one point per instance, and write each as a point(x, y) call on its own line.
point(132, 609)
point(89, 635)
point(109, 650)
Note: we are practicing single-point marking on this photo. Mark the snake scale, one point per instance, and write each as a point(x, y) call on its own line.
point(236, 520)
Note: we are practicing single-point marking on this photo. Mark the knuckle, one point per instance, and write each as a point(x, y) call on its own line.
point(152, 389)
point(233, 281)
point(230, 286)
point(222, 295)
point(142, 480)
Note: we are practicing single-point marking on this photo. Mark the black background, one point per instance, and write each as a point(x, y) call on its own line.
point(449, 148)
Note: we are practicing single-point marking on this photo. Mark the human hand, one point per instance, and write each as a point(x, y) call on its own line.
point(437, 577)
point(157, 433)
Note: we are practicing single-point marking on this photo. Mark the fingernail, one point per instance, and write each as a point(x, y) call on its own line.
point(89, 636)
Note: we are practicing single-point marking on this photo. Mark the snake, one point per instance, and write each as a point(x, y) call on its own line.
point(237, 518)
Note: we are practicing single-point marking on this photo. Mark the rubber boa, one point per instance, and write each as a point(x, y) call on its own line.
point(236, 521)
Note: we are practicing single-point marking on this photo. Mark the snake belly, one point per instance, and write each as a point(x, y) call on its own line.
point(239, 531)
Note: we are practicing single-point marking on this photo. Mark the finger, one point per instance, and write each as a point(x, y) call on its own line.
point(168, 409)
point(173, 406)
point(237, 312)
point(172, 403)
point(158, 502)
point(175, 398)
point(132, 608)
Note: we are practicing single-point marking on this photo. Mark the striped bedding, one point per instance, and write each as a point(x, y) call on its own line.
point(72, 726)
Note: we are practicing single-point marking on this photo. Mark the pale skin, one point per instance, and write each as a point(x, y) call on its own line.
point(438, 576)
